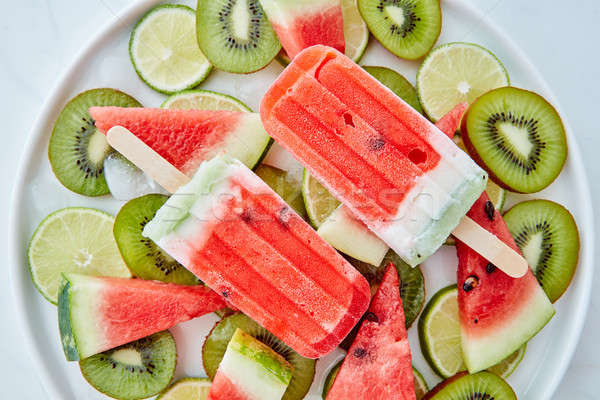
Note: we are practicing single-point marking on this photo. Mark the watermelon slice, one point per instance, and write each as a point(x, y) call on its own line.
point(185, 138)
point(378, 365)
point(498, 314)
point(450, 122)
point(303, 23)
point(96, 314)
point(250, 370)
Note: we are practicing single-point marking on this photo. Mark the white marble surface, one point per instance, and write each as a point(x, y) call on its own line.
point(39, 38)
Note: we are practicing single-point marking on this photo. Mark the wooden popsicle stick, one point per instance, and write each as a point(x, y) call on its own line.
point(171, 179)
point(491, 248)
point(146, 159)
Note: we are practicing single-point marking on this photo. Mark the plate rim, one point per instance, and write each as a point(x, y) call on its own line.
point(20, 276)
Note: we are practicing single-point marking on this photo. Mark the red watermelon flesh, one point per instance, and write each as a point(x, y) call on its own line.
point(222, 388)
point(378, 365)
point(100, 313)
point(450, 122)
point(498, 314)
point(302, 24)
point(186, 138)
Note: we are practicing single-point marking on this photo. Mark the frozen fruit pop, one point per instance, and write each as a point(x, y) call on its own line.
point(300, 24)
point(398, 173)
point(237, 235)
point(250, 370)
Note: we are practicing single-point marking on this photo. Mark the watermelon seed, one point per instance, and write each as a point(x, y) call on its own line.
point(370, 316)
point(376, 144)
point(360, 352)
point(490, 268)
point(490, 210)
point(470, 283)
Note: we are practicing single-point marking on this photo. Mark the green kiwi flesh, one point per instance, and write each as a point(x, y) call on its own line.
point(547, 235)
point(482, 385)
point(136, 370)
point(407, 28)
point(235, 35)
point(216, 344)
point(518, 137)
point(77, 149)
point(397, 84)
point(143, 257)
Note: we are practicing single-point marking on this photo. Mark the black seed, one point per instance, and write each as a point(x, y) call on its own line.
point(376, 144)
point(490, 211)
point(225, 293)
point(370, 316)
point(490, 268)
point(360, 352)
point(470, 283)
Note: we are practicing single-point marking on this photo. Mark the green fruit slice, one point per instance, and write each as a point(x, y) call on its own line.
point(420, 384)
point(455, 73)
point(547, 235)
point(407, 28)
point(318, 201)
point(288, 188)
point(77, 149)
point(483, 385)
point(136, 370)
point(204, 100)
point(216, 344)
point(518, 137)
point(143, 257)
point(76, 240)
point(236, 36)
point(355, 30)
point(187, 389)
point(164, 51)
point(397, 84)
point(440, 337)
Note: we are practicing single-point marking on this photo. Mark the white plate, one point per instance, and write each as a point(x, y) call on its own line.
point(105, 63)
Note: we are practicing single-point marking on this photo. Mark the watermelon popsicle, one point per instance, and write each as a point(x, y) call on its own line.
point(303, 23)
point(237, 235)
point(398, 173)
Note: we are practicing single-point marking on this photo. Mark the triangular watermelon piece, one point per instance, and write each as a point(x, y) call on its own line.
point(96, 314)
point(186, 138)
point(301, 24)
point(498, 314)
point(450, 122)
point(378, 365)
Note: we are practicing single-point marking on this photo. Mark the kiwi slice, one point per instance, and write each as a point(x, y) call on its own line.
point(397, 84)
point(236, 35)
point(547, 235)
point(284, 185)
point(420, 385)
point(143, 257)
point(483, 385)
point(216, 344)
point(518, 137)
point(77, 149)
point(136, 370)
point(407, 28)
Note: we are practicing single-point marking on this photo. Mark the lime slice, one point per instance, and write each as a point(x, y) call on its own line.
point(421, 387)
point(73, 240)
point(285, 186)
point(439, 333)
point(164, 50)
point(187, 389)
point(355, 30)
point(457, 72)
point(204, 100)
point(318, 201)
point(440, 337)
point(505, 368)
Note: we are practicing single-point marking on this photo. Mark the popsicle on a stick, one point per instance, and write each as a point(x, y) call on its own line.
point(406, 180)
point(237, 235)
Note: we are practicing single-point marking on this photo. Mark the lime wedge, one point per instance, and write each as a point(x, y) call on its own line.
point(355, 30)
point(73, 240)
point(457, 72)
point(187, 389)
point(421, 387)
point(204, 100)
point(440, 337)
point(318, 201)
point(288, 188)
point(164, 50)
